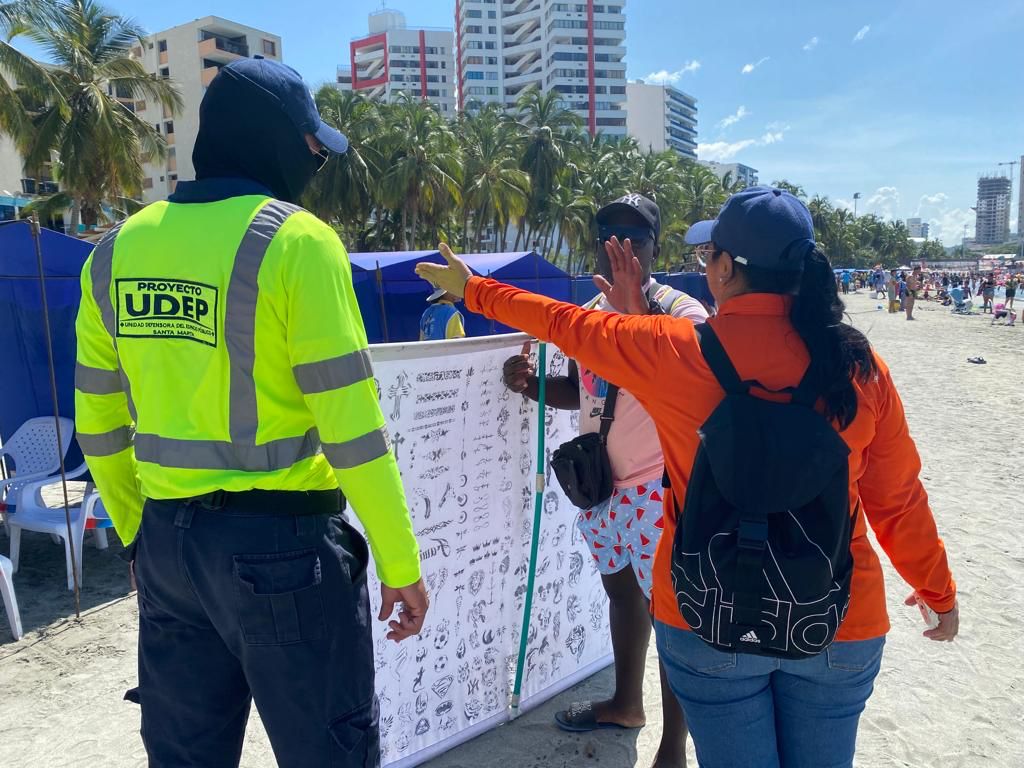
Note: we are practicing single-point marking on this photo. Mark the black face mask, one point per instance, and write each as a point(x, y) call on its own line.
point(244, 133)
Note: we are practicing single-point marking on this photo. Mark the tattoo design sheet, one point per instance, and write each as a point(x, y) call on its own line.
point(467, 451)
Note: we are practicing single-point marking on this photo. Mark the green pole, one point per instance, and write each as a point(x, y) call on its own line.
point(538, 508)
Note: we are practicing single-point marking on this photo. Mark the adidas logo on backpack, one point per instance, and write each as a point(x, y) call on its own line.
point(763, 541)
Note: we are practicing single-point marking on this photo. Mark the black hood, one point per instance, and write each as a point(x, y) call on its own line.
point(244, 133)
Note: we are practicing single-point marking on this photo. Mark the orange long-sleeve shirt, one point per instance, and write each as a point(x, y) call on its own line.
point(658, 359)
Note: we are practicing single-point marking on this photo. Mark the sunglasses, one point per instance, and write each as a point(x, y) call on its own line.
point(638, 236)
point(323, 156)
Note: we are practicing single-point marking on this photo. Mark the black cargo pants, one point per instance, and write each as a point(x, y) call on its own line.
point(235, 606)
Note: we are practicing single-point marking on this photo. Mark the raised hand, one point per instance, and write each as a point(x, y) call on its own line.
point(518, 369)
point(452, 278)
point(626, 291)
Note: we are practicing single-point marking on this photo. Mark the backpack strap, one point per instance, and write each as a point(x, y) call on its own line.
point(665, 297)
point(718, 361)
point(806, 392)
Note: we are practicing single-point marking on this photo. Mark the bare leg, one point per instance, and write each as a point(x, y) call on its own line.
point(630, 621)
point(672, 751)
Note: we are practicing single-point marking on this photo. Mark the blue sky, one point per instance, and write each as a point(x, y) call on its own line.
point(904, 101)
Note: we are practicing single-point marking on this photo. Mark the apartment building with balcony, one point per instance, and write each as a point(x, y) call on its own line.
point(191, 55)
point(393, 59)
point(661, 117)
point(576, 49)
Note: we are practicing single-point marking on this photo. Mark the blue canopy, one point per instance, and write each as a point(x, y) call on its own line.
point(388, 289)
point(26, 388)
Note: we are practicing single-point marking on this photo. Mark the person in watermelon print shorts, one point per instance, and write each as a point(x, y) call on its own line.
point(623, 532)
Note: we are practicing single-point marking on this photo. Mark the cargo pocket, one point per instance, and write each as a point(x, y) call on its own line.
point(356, 737)
point(279, 597)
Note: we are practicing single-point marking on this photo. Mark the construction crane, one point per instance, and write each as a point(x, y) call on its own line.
point(1013, 164)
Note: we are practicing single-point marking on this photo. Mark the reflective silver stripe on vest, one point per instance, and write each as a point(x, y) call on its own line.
point(102, 271)
point(102, 268)
point(358, 451)
point(96, 381)
point(223, 454)
point(335, 373)
point(104, 443)
point(240, 318)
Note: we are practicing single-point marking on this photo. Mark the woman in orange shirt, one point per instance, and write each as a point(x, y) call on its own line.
point(779, 312)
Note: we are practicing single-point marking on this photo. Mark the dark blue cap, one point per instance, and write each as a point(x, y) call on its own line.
point(283, 85)
point(765, 227)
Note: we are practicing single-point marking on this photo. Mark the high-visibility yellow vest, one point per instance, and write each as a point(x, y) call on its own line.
point(220, 347)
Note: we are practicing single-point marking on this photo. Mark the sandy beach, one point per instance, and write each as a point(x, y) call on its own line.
point(61, 686)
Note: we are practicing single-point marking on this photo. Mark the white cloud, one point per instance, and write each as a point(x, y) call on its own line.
point(748, 68)
point(724, 151)
point(664, 77)
point(811, 44)
point(884, 203)
point(862, 33)
point(945, 223)
point(936, 199)
point(734, 118)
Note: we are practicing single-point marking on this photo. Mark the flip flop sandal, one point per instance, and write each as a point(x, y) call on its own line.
point(581, 718)
point(977, 360)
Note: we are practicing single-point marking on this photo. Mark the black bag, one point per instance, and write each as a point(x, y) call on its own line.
point(582, 465)
point(761, 559)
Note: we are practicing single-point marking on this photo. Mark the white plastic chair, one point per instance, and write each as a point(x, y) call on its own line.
point(10, 601)
point(33, 515)
point(34, 450)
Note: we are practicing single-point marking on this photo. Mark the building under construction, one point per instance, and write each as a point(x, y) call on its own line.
point(993, 210)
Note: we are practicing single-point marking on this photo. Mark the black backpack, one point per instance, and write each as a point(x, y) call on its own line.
point(761, 559)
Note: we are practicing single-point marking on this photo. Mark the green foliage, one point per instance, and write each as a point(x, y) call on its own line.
point(64, 113)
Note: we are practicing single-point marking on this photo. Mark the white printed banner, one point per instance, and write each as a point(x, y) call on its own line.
point(467, 450)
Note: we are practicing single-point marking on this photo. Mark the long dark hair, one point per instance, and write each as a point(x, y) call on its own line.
point(840, 354)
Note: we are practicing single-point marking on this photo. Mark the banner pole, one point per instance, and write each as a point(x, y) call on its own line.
point(538, 508)
point(37, 237)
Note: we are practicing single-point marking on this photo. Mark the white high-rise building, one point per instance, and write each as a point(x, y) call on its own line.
point(191, 55)
point(735, 171)
point(917, 228)
point(661, 117)
point(576, 49)
point(393, 59)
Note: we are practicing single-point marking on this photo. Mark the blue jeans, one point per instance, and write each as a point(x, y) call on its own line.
point(748, 711)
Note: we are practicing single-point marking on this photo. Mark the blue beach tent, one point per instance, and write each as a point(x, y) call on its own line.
point(392, 297)
point(25, 391)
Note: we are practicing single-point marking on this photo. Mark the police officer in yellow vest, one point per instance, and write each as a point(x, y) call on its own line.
point(224, 394)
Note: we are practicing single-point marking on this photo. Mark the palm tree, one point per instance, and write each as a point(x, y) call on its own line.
point(342, 190)
point(98, 141)
point(550, 130)
point(701, 194)
point(570, 211)
point(730, 185)
point(423, 164)
point(495, 189)
point(794, 189)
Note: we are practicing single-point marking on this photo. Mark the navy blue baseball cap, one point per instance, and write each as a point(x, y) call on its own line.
point(283, 85)
point(764, 227)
